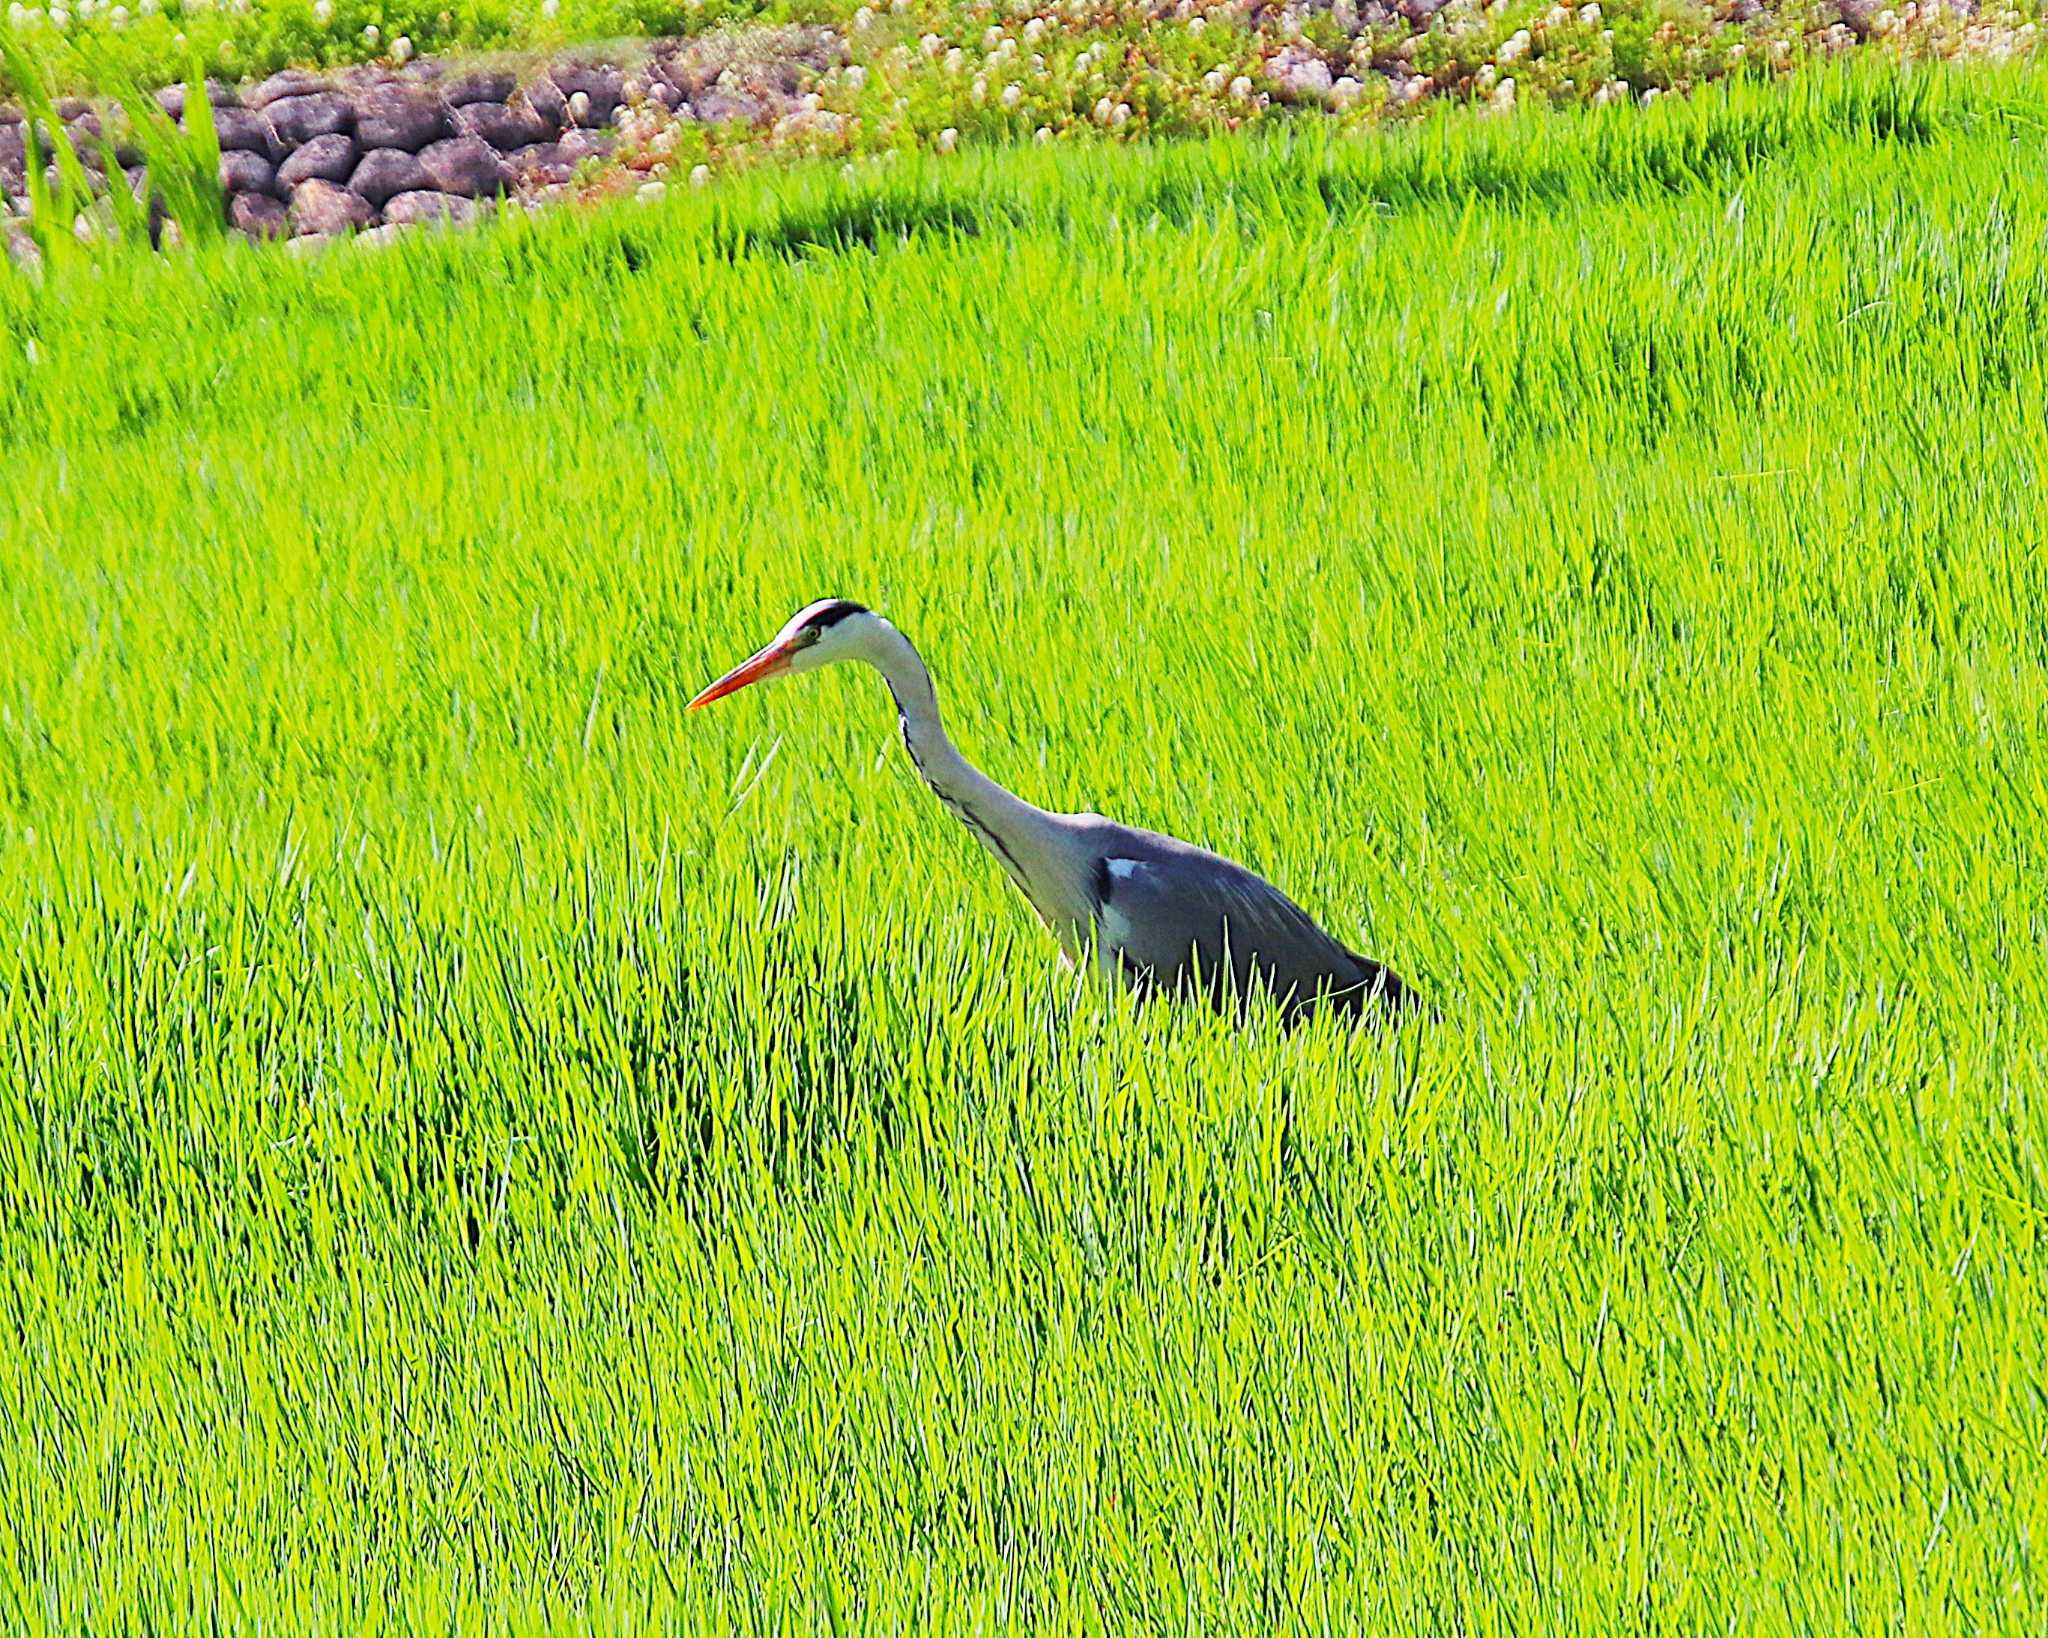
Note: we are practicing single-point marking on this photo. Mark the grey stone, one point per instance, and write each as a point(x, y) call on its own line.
point(258, 215)
point(21, 245)
point(1299, 74)
point(244, 130)
point(367, 77)
point(292, 82)
point(382, 172)
point(87, 150)
point(601, 86)
point(371, 238)
point(395, 117)
point(171, 98)
point(715, 107)
point(463, 165)
point(548, 101)
point(322, 207)
point(477, 85)
point(428, 206)
point(319, 113)
point(504, 125)
point(580, 145)
point(542, 162)
point(332, 158)
point(244, 172)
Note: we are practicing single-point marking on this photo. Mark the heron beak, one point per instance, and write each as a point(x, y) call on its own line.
point(771, 660)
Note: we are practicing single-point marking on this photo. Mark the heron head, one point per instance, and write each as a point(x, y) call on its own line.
point(827, 632)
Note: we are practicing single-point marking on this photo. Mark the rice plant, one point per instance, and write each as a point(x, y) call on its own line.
point(480, 1151)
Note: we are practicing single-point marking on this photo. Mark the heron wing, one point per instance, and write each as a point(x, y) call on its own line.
point(1180, 915)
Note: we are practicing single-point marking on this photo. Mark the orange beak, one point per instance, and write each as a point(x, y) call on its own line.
point(771, 660)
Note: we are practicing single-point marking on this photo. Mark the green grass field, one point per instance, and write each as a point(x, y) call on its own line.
point(482, 1151)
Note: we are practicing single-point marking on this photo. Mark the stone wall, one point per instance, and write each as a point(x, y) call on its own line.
point(307, 154)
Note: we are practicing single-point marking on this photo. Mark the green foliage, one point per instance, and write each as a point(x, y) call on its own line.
point(183, 164)
point(183, 170)
point(481, 1150)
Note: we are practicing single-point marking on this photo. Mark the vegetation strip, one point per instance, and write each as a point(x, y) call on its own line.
point(404, 140)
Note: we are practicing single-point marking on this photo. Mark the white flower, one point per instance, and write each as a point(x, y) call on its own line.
point(948, 140)
point(149, 8)
point(118, 17)
point(1012, 95)
point(59, 17)
point(700, 176)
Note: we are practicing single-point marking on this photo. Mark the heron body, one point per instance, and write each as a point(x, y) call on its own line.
point(1147, 910)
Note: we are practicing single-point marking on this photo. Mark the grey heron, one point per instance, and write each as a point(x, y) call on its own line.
point(1146, 910)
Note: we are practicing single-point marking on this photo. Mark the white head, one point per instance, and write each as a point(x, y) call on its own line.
point(829, 631)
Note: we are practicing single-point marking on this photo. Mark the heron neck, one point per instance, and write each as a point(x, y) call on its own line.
point(995, 814)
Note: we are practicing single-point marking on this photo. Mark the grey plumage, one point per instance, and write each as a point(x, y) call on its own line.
point(1178, 916)
point(1145, 909)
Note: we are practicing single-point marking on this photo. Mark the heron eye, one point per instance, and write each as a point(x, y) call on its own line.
point(809, 635)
